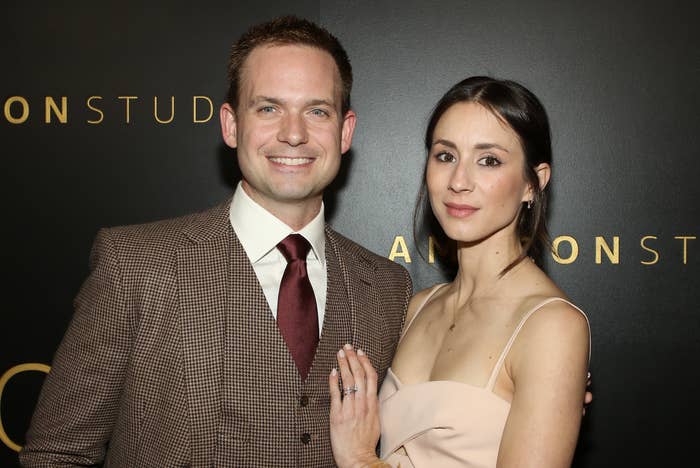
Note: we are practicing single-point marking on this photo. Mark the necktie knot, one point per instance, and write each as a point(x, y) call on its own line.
point(294, 247)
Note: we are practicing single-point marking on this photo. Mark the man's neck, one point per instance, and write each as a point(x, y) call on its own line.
point(296, 214)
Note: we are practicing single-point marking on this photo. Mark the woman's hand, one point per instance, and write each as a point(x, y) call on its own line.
point(354, 415)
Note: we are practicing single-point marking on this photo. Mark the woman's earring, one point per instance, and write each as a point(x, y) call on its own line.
point(529, 204)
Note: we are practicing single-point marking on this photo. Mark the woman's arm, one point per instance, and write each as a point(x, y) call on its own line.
point(548, 364)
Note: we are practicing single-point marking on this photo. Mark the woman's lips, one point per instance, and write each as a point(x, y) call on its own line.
point(460, 211)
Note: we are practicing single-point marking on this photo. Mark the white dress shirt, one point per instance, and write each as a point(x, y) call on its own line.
point(259, 232)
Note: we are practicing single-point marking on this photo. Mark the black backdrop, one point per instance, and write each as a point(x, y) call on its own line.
point(620, 82)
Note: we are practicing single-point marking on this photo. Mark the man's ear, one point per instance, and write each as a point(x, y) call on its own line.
point(544, 172)
point(347, 130)
point(227, 116)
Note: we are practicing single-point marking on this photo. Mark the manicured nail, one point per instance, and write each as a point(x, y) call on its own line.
point(334, 372)
point(360, 352)
point(341, 353)
point(347, 346)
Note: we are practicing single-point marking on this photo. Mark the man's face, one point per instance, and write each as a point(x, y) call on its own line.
point(288, 129)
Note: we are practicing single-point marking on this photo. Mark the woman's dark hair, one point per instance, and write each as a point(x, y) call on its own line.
point(524, 113)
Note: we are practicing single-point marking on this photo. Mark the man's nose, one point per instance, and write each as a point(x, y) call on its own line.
point(293, 130)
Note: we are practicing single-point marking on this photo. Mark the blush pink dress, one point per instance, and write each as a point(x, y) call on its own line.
point(445, 423)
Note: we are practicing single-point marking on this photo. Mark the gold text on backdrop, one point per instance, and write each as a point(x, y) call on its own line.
point(565, 249)
point(16, 109)
point(399, 249)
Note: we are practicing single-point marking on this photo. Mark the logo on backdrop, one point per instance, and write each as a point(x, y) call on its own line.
point(567, 250)
point(60, 110)
point(28, 367)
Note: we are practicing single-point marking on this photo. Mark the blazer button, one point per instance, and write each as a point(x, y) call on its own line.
point(305, 438)
point(303, 401)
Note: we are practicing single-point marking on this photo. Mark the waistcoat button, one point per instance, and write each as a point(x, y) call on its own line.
point(305, 438)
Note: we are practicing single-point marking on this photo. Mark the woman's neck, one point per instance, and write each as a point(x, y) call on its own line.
point(481, 265)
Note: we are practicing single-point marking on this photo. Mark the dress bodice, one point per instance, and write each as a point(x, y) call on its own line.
point(445, 423)
point(440, 423)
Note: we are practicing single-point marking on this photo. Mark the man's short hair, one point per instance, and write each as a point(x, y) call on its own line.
point(288, 30)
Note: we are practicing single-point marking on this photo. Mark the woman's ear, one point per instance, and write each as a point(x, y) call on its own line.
point(543, 171)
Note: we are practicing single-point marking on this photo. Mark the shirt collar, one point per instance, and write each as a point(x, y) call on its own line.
point(259, 231)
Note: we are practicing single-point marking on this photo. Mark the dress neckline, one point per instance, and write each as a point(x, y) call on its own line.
point(501, 359)
point(400, 385)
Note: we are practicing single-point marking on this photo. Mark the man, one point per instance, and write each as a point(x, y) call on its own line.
point(200, 341)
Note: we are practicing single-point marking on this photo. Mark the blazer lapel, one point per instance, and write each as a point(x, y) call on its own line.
point(367, 322)
point(337, 324)
point(203, 272)
point(352, 314)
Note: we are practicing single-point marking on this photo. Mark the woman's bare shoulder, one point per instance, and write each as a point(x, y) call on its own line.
point(556, 328)
point(419, 300)
point(554, 323)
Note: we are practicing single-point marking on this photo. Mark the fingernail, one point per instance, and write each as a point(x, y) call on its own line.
point(334, 372)
point(348, 346)
point(341, 353)
point(360, 352)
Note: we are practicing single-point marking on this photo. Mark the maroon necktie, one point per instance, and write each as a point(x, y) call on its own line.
point(296, 307)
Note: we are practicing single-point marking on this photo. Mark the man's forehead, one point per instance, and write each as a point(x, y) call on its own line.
point(285, 62)
point(273, 53)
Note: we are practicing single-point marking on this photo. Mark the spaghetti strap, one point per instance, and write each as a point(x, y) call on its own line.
point(504, 353)
point(420, 307)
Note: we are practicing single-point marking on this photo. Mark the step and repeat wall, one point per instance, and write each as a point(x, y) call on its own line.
point(109, 117)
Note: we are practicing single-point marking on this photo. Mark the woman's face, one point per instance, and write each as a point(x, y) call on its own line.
point(475, 174)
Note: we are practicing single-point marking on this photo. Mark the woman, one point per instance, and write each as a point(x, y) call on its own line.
point(489, 369)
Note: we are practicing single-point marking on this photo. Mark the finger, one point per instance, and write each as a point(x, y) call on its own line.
point(334, 390)
point(588, 398)
point(358, 372)
point(345, 374)
point(370, 373)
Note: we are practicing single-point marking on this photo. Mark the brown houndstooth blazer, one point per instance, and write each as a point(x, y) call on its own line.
point(173, 358)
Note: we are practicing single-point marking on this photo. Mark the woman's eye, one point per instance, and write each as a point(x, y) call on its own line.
point(445, 157)
point(490, 161)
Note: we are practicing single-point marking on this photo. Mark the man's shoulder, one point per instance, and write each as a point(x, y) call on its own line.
point(172, 232)
point(354, 250)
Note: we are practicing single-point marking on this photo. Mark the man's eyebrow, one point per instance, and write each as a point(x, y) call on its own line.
point(320, 102)
point(258, 99)
point(272, 100)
